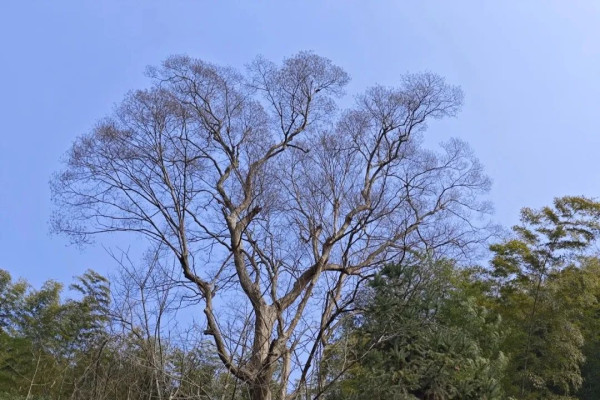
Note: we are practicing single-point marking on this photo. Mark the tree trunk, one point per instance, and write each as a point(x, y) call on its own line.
point(260, 387)
point(37, 366)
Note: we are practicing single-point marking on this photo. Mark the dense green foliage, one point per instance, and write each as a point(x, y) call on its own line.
point(422, 336)
point(535, 274)
point(525, 328)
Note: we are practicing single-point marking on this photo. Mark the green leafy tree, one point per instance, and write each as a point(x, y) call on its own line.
point(422, 336)
point(580, 290)
point(30, 336)
point(46, 344)
point(546, 343)
point(14, 351)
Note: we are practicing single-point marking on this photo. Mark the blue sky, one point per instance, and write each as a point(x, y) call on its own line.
point(530, 71)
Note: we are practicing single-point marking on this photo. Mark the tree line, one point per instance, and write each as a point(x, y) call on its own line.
point(524, 327)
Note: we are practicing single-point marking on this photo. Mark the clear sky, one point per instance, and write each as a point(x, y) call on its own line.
point(530, 71)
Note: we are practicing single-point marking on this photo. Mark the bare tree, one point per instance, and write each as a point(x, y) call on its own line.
point(146, 301)
point(267, 194)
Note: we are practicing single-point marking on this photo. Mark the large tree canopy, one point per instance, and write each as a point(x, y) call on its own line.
point(267, 193)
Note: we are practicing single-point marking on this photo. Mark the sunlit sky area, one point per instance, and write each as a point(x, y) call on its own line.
point(530, 71)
